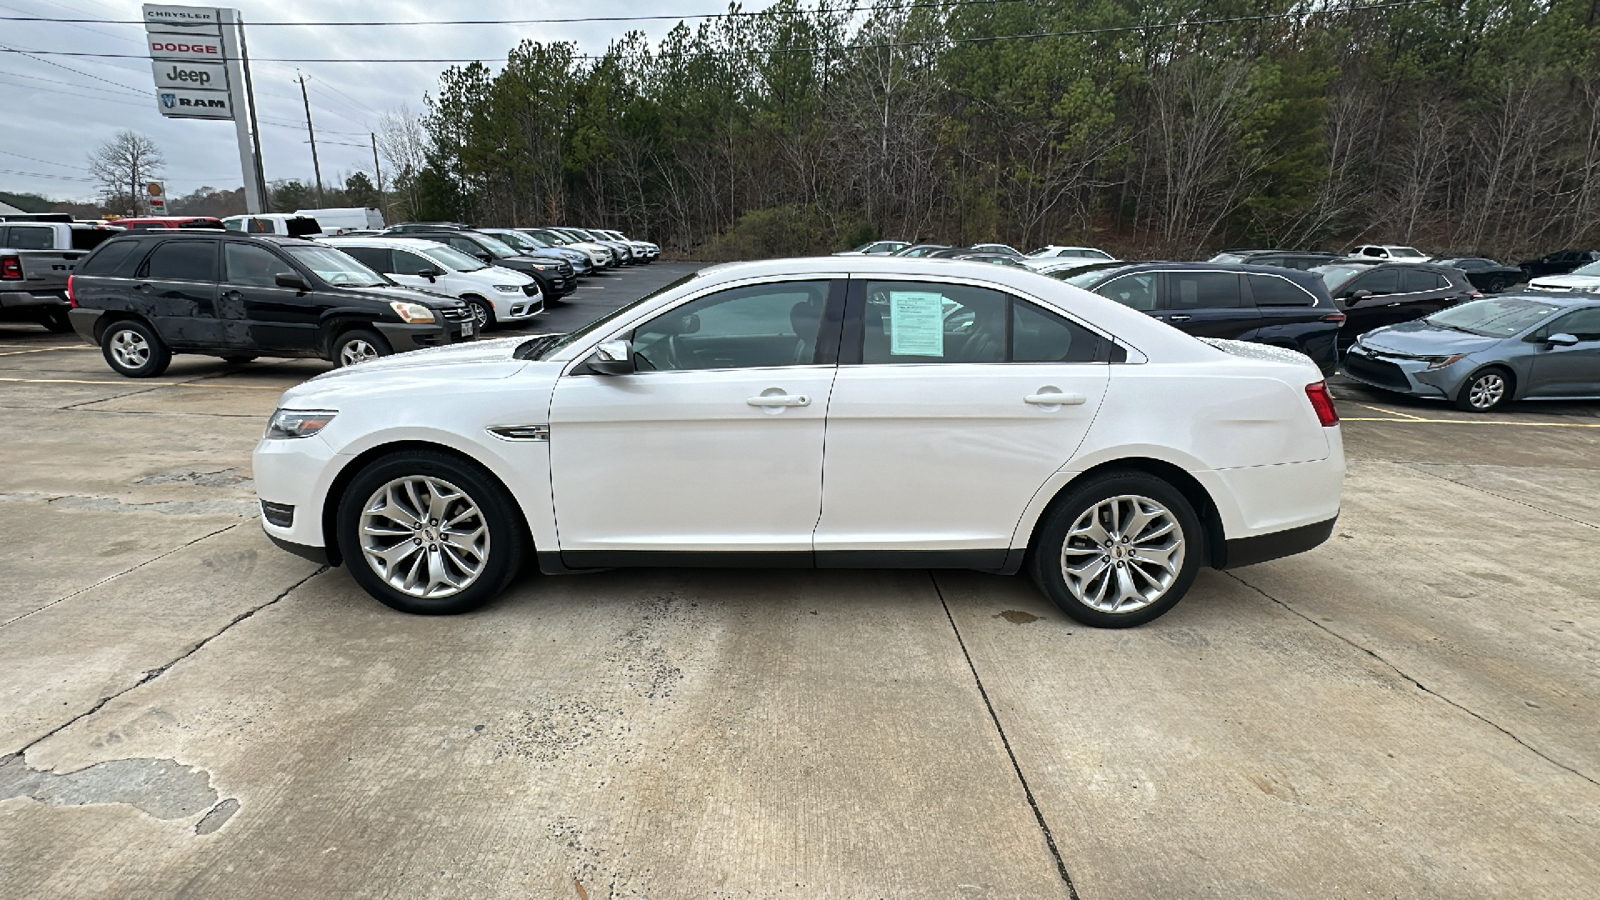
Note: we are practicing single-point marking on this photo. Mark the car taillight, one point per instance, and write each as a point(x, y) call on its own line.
point(10, 268)
point(1322, 402)
point(71, 300)
point(1335, 318)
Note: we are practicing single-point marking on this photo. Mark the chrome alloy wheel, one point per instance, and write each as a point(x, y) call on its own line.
point(1486, 390)
point(424, 537)
point(481, 314)
point(1122, 554)
point(130, 348)
point(356, 351)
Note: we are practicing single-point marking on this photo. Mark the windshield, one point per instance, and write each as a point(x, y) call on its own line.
point(531, 241)
point(1591, 269)
point(496, 248)
point(336, 267)
point(1494, 317)
point(515, 240)
point(1082, 279)
point(559, 240)
point(451, 258)
point(544, 350)
point(1335, 276)
point(1407, 253)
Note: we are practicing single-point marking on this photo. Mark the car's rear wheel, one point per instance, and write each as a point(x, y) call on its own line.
point(132, 348)
point(1496, 285)
point(428, 533)
point(1119, 550)
point(1487, 390)
point(359, 345)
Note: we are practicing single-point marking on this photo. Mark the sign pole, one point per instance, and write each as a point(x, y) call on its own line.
point(244, 125)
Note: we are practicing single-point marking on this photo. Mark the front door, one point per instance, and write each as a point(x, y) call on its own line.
point(714, 445)
point(1569, 371)
point(953, 406)
point(255, 313)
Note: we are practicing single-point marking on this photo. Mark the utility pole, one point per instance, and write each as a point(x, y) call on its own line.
point(312, 133)
point(375, 169)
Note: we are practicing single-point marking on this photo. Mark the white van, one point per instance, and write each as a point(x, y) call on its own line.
point(289, 224)
point(496, 295)
point(349, 218)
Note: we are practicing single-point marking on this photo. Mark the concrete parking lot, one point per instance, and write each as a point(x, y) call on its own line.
point(1412, 710)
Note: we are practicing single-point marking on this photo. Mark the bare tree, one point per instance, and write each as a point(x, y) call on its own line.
point(404, 143)
point(122, 165)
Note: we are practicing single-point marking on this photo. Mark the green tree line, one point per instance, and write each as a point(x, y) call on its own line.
point(1145, 126)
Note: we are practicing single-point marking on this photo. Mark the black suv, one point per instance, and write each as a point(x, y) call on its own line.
point(1558, 263)
point(144, 296)
point(554, 274)
point(1372, 295)
point(1264, 304)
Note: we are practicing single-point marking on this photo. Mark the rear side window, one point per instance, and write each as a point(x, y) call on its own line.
point(407, 263)
point(378, 259)
point(1381, 281)
point(1203, 290)
point(1038, 336)
point(29, 237)
point(108, 259)
point(927, 322)
point(183, 261)
point(1417, 280)
point(1136, 291)
point(1270, 290)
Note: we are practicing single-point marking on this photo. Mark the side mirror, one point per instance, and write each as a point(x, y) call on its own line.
point(1562, 340)
point(1358, 296)
point(291, 280)
point(613, 358)
point(428, 273)
point(483, 256)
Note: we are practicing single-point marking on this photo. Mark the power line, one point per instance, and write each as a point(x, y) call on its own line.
point(984, 39)
point(4, 48)
point(38, 160)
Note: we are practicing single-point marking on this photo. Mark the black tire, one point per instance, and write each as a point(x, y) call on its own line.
point(1487, 390)
point(483, 310)
point(239, 359)
point(56, 321)
point(134, 350)
point(356, 345)
point(1121, 491)
point(502, 556)
point(1497, 285)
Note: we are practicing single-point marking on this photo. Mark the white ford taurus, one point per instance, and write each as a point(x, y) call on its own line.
point(843, 412)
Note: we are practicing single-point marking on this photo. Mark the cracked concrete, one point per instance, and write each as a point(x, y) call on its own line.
point(1409, 711)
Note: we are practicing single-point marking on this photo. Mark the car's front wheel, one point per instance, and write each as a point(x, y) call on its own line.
point(481, 311)
point(359, 345)
point(1487, 390)
point(1118, 550)
point(426, 532)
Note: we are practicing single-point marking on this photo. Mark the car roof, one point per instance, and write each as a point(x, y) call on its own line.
point(392, 242)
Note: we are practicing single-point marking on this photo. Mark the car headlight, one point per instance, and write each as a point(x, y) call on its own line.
point(1439, 362)
point(540, 267)
point(509, 288)
point(415, 313)
point(298, 423)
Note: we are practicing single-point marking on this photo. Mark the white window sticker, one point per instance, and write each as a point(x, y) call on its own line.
point(916, 326)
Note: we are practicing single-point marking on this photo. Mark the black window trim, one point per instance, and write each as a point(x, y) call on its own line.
point(853, 339)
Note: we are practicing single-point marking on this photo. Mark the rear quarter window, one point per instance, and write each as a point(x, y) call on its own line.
point(1271, 290)
point(1418, 280)
point(109, 259)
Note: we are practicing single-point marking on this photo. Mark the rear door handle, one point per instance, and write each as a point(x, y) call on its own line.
point(1055, 398)
point(780, 400)
point(1179, 318)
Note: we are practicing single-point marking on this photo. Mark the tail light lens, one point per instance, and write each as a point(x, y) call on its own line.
point(10, 268)
point(72, 300)
point(1322, 402)
point(1335, 318)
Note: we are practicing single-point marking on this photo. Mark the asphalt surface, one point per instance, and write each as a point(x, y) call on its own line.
point(1409, 711)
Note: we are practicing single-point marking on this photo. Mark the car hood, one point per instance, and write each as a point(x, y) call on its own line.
point(433, 366)
point(1566, 283)
point(409, 294)
point(1418, 338)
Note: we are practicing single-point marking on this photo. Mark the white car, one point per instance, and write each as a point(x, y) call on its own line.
point(1583, 278)
point(644, 250)
point(495, 295)
point(1053, 253)
point(1395, 252)
point(819, 412)
point(599, 254)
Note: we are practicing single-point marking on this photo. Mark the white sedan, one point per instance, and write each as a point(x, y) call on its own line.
point(835, 412)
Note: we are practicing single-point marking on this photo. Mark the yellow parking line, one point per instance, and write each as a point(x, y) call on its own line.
point(40, 350)
point(130, 383)
point(1415, 421)
point(1392, 412)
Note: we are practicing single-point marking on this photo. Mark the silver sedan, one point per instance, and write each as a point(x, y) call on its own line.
point(1480, 355)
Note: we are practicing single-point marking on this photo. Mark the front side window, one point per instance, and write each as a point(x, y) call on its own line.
point(1136, 291)
point(746, 327)
point(408, 263)
point(183, 261)
point(252, 265)
point(1583, 325)
point(451, 258)
point(336, 268)
point(1202, 290)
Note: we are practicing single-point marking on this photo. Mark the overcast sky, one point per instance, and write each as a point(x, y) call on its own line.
point(53, 117)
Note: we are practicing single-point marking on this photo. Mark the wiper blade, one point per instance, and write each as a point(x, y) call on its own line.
point(530, 349)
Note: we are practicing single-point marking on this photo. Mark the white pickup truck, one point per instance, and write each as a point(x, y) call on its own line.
point(38, 253)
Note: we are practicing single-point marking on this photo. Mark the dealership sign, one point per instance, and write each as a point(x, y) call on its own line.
point(187, 57)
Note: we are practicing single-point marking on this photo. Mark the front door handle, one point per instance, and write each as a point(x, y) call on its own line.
point(1055, 398)
point(780, 400)
point(1179, 318)
point(1396, 303)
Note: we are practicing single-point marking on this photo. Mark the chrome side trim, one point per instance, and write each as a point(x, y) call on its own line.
point(521, 432)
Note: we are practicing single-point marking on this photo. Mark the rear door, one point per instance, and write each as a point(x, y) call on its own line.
point(1286, 309)
point(1208, 304)
point(176, 287)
